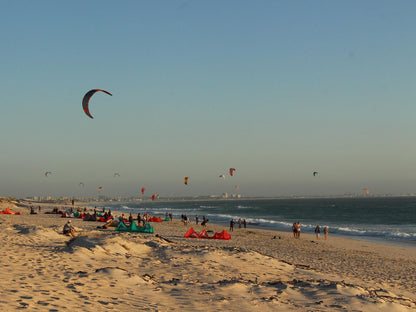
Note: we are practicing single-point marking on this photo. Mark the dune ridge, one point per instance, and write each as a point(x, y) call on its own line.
point(44, 270)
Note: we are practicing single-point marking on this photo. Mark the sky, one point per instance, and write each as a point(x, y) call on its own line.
point(275, 89)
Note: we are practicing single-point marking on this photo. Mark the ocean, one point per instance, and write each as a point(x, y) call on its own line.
point(386, 219)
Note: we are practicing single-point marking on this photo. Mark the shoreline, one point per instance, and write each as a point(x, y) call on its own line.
point(400, 242)
point(387, 242)
point(164, 271)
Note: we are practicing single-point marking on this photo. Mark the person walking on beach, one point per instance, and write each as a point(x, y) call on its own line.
point(317, 232)
point(232, 225)
point(326, 232)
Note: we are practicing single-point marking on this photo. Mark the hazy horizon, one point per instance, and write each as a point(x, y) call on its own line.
point(275, 89)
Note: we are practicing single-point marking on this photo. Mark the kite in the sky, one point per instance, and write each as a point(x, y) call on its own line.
point(185, 180)
point(222, 176)
point(47, 173)
point(315, 173)
point(81, 184)
point(86, 100)
point(100, 188)
point(116, 175)
point(231, 171)
point(367, 191)
point(143, 189)
point(154, 196)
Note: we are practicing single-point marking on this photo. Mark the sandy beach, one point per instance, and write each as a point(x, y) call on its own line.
point(105, 270)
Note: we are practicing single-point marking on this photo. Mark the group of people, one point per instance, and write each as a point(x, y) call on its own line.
point(318, 232)
point(204, 222)
point(240, 223)
point(296, 230)
point(142, 220)
point(185, 219)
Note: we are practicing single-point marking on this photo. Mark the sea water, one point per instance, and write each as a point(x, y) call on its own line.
point(390, 219)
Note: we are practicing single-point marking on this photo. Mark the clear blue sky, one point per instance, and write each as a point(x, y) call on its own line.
point(276, 89)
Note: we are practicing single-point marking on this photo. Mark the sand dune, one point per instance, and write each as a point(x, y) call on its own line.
point(43, 270)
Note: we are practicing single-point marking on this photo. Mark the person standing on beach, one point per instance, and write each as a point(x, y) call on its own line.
point(317, 232)
point(204, 222)
point(298, 230)
point(232, 225)
point(294, 229)
point(196, 219)
point(245, 223)
point(326, 232)
point(239, 223)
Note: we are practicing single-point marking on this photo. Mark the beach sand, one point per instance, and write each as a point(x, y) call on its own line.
point(104, 270)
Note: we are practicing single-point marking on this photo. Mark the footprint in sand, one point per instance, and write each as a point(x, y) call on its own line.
point(26, 297)
point(23, 305)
